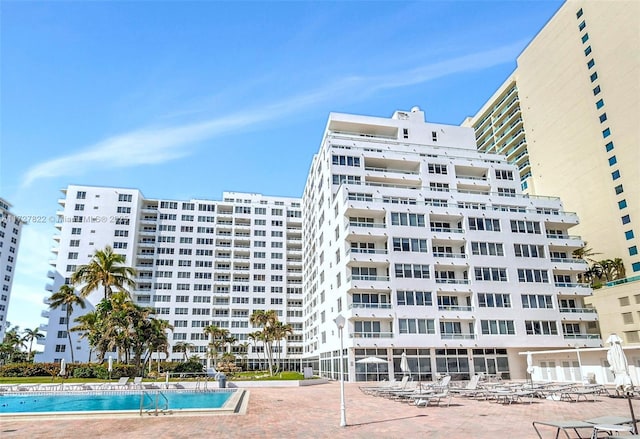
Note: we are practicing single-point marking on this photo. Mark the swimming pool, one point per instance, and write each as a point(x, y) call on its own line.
point(118, 401)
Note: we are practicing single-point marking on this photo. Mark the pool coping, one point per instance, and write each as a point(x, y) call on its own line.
point(236, 405)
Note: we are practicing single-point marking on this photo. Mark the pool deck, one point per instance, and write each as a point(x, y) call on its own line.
point(314, 412)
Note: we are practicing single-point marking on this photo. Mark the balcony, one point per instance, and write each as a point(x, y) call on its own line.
point(453, 281)
point(454, 308)
point(446, 230)
point(569, 261)
point(571, 285)
point(579, 310)
point(368, 278)
point(457, 336)
point(370, 306)
point(367, 225)
point(44, 314)
point(450, 255)
point(371, 335)
point(581, 336)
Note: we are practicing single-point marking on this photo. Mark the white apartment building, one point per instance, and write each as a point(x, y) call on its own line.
point(428, 247)
point(567, 117)
point(198, 262)
point(10, 229)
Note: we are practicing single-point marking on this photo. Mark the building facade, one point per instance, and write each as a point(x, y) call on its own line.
point(10, 230)
point(428, 247)
point(198, 262)
point(567, 118)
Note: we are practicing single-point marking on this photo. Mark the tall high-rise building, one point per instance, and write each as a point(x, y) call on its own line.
point(568, 119)
point(428, 248)
point(198, 263)
point(10, 229)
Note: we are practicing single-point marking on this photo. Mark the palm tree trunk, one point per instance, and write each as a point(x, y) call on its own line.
point(69, 334)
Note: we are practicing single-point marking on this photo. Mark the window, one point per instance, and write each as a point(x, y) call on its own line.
point(348, 179)
point(628, 234)
point(582, 25)
point(407, 219)
point(635, 267)
point(599, 104)
point(484, 224)
point(579, 13)
point(540, 327)
point(532, 227)
point(619, 189)
point(487, 248)
point(537, 301)
point(494, 300)
point(410, 298)
point(502, 174)
point(609, 146)
point(613, 160)
point(506, 192)
point(410, 245)
point(633, 250)
point(416, 326)
point(412, 271)
point(532, 275)
point(491, 274)
point(79, 207)
point(345, 160)
point(437, 169)
point(606, 133)
point(603, 117)
point(405, 133)
point(497, 327)
point(585, 38)
point(626, 219)
point(622, 204)
point(596, 90)
point(587, 51)
point(529, 250)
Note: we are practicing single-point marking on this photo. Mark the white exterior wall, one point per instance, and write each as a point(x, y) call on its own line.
point(10, 230)
point(195, 261)
point(390, 175)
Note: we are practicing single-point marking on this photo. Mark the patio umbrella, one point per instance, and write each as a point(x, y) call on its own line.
point(372, 360)
point(404, 364)
point(63, 368)
point(619, 366)
point(110, 366)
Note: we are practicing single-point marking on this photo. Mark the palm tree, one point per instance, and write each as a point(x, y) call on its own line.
point(618, 267)
point(280, 332)
point(88, 326)
point(66, 297)
point(255, 337)
point(106, 269)
point(217, 339)
point(184, 347)
point(584, 253)
point(30, 336)
point(266, 320)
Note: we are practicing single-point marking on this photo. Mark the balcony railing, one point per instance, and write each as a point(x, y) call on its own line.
point(455, 336)
point(452, 281)
point(551, 236)
point(582, 336)
point(371, 335)
point(569, 260)
point(572, 285)
point(368, 251)
point(578, 310)
point(367, 277)
point(371, 305)
point(446, 230)
point(455, 308)
point(373, 225)
point(398, 171)
point(450, 255)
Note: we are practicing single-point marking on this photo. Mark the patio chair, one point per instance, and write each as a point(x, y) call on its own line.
point(397, 386)
point(137, 383)
point(472, 389)
point(123, 382)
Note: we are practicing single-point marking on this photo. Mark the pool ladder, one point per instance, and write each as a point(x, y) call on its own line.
point(154, 403)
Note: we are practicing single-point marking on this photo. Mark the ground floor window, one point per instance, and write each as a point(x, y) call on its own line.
point(491, 362)
point(419, 361)
point(454, 362)
point(372, 371)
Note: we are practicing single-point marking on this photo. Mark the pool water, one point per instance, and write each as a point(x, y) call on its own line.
point(66, 402)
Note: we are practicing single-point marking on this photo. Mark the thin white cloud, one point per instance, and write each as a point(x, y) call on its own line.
point(156, 145)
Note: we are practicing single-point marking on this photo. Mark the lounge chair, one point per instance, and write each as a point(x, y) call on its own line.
point(137, 383)
point(575, 394)
point(472, 389)
point(574, 424)
point(398, 386)
point(435, 399)
point(122, 383)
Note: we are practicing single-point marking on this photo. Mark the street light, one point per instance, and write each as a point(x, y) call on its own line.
point(340, 322)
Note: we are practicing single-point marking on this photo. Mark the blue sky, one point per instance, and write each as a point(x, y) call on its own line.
point(189, 99)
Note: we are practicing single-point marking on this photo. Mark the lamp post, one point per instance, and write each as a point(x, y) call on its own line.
point(340, 322)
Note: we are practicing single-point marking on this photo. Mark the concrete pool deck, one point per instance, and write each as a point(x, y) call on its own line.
point(314, 412)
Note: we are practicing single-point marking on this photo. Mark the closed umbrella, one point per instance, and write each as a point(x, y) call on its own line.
point(110, 366)
point(619, 366)
point(372, 360)
point(63, 368)
point(404, 364)
point(530, 368)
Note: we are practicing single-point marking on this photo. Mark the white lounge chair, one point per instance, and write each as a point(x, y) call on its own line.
point(435, 399)
point(122, 383)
